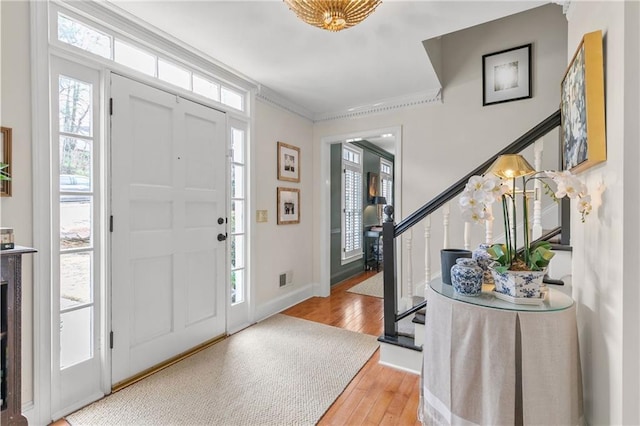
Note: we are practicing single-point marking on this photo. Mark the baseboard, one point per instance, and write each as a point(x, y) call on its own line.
point(284, 302)
point(29, 411)
point(400, 358)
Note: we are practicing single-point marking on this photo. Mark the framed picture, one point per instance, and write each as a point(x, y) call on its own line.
point(583, 134)
point(506, 75)
point(5, 159)
point(288, 206)
point(288, 162)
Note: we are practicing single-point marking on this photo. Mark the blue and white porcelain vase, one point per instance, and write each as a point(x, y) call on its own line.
point(466, 277)
point(483, 258)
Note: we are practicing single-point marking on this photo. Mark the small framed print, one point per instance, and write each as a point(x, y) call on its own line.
point(506, 75)
point(288, 162)
point(5, 161)
point(288, 206)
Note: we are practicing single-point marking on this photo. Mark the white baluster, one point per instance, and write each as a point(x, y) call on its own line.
point(536, 229)
point(467, 235)
point(445, 222)
point(488, 226)
point(427, 250)
point(409, 267)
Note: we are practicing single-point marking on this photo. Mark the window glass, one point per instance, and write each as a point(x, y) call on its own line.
point(237, 144)
point(75, 104)
point(237, 181)
point(206, 88)
point(84, 37)
point(75, 221)
point(232, 98)
point(75, 279)
point(75, 164)
point(135, 58)
point(237, 286)
point(237, 216)
point(174, 74)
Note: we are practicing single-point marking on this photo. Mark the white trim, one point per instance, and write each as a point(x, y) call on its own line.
point(41, 208)
point(274, 98)
point(400, 358)
point(284, 302)
point(323, 288)
point(384, 105)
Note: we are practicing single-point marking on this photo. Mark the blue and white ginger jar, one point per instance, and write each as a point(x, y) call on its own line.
point(466, 277)
point(483, 258)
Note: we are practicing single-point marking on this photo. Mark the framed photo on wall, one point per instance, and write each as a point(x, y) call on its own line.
point(288, 206)
point(288, 162)
point(583, 133)
point(506, 75)
point(5, 159)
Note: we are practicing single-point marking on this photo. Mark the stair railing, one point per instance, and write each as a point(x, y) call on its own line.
point(392, 232)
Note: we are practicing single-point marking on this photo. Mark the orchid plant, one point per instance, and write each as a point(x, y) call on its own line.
point(482, 191)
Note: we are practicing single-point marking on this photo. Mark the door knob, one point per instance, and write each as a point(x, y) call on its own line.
point(220, 221)
point(222, 237)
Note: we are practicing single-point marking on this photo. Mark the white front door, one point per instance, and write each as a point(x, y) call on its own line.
point(168, 181)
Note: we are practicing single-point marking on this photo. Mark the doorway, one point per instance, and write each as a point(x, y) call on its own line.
point(389, 138)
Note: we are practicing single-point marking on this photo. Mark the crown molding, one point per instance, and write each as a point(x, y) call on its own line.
point(566, 5)
point(274, 98)
point(382, 106)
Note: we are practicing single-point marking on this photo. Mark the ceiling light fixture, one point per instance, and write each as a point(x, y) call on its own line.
point(332, 15)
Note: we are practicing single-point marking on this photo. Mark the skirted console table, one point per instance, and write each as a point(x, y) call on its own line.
point(488, 361)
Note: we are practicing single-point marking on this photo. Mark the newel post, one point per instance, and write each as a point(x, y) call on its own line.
point(389, 277)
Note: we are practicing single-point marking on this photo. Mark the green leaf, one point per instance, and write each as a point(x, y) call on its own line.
point(541, 255)
point(498, 252)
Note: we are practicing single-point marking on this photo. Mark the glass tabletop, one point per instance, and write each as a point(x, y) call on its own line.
point(554, 300)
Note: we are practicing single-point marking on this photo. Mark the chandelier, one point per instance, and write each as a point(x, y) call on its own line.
point(332, 15)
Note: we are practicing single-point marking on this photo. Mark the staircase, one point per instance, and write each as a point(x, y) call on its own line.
point(402, 349)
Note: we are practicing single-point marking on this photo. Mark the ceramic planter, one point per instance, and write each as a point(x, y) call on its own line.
point(519, 283)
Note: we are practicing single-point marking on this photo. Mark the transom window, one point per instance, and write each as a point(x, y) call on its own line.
point(82, 35)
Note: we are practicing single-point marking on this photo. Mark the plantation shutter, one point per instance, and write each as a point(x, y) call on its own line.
point(352, 191)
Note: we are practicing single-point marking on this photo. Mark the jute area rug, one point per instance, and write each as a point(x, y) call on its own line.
point(370, 287)
point(281, 371)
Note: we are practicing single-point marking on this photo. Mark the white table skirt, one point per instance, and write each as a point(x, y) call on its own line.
point(486, 366)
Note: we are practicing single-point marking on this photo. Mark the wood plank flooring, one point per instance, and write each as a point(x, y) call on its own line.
point(378, 395)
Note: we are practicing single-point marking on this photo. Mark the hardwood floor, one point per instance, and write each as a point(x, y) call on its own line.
point(378, 395)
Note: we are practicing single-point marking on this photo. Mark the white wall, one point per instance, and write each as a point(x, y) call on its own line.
point(443, 141)
point(281, 248)
point(606, 253)
point(16, 113)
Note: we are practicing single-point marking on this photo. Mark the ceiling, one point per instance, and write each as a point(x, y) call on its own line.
point(323, 72)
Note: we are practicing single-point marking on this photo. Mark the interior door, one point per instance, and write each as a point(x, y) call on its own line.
point(168, 180)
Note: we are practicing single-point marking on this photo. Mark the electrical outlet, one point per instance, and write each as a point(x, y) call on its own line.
point(283, 280)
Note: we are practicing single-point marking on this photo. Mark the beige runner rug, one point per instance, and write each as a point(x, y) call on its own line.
point(283, 370)
point(370, 287)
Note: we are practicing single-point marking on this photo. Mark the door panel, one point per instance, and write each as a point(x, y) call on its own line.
point(168, 191)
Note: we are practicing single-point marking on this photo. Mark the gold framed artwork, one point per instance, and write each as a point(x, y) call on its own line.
point(583, 134)
point(288, 206)
point(5, 160)
point(288, 162)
